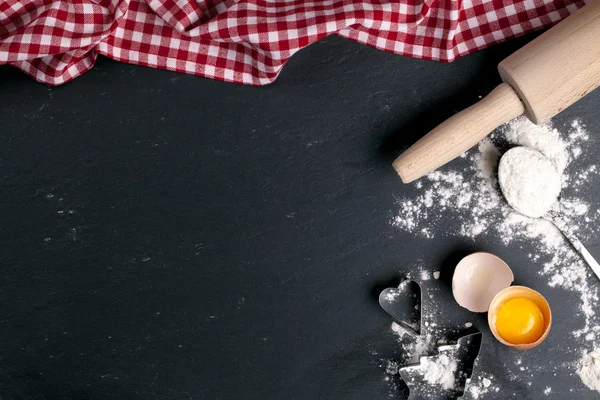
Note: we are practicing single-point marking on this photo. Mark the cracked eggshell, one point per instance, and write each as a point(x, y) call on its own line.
point(478, 278)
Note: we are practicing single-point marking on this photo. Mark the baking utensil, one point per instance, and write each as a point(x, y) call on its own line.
point(519, 292)
point(466, 350)
point(539, 80)
point(554, 216)
point(558, 219)
point(404, 305)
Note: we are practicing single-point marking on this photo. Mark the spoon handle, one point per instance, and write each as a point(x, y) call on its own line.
point(559, 221)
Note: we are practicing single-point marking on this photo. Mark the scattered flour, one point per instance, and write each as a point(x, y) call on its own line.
point(392, 296)
point(546, 139)
point(478, 388)
point(432, 369)
point(413, 347)
point(589, 369)
point(440, 372)
point(433, 375)
point(468, 197)
point(392, 368)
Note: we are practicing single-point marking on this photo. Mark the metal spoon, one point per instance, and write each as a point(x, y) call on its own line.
point(557, 218)
point(554, 216)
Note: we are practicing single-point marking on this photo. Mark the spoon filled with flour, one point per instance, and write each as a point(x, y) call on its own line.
point(531, 185)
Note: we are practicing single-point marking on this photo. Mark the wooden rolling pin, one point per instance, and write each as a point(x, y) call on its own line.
point(540, 80)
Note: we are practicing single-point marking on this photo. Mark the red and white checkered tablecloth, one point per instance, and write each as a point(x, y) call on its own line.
point(249, 41)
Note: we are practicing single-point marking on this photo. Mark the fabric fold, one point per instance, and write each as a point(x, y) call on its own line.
point(249, 41)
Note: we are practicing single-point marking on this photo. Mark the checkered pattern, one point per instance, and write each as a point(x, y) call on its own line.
point(249, 41)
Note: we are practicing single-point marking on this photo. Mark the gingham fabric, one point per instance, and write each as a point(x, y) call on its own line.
point(249, 41)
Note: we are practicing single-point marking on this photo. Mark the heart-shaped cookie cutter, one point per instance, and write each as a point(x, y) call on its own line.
point(404, 304)
point(408, 316)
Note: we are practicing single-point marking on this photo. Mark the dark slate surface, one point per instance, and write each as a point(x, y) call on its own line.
point(171, 237)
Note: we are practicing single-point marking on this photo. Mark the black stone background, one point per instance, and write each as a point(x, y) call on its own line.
point(229, 242)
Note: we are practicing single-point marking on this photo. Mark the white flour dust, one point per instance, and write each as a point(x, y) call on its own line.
point(479, 387)
point(547, 140)
point(437, 372)
point(440, 372)
point(471, 205)
point(392, 296)
point(589, 369)
point(529, 181)
point(413, 347)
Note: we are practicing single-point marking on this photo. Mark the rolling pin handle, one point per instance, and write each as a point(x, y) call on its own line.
point(459, 133)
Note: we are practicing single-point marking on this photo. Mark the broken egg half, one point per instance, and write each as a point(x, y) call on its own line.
point(518, 316)
point(478, 278)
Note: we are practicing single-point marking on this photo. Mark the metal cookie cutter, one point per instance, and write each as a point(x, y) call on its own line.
point(465, 351)
point(404, 304)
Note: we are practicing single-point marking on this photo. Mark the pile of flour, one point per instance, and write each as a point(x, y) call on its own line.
point(589, 369)
point(469, 197)
point(440, 372)
point(529, 181)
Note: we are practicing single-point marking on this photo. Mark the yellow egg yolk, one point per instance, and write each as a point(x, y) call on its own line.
point(520, 321)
